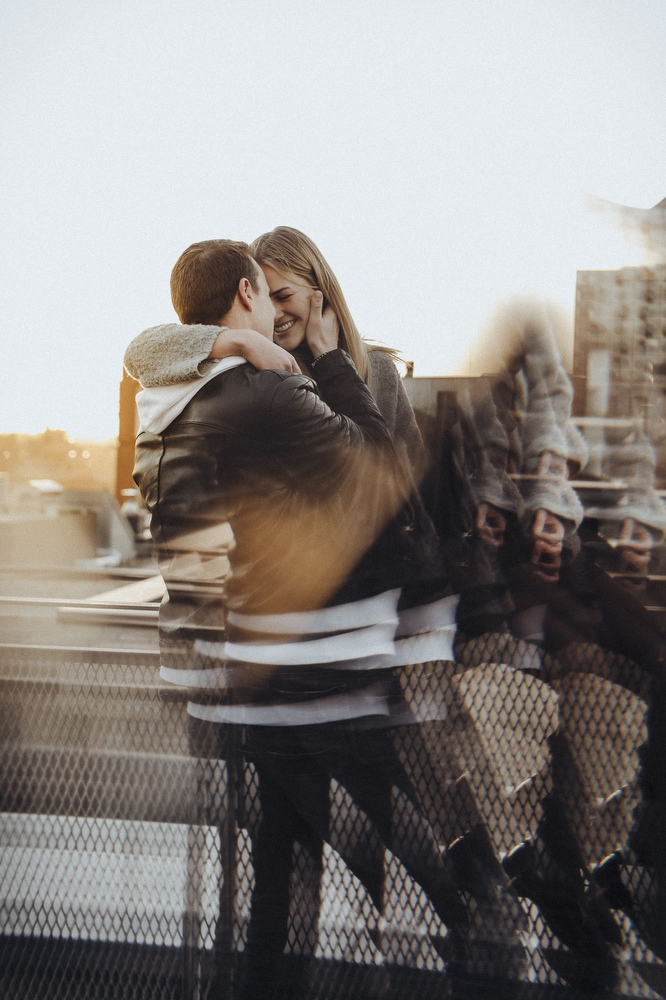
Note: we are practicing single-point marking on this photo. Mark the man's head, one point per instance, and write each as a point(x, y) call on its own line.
point(219, 283)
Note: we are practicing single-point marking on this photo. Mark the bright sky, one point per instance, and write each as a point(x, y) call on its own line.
point(438, 152)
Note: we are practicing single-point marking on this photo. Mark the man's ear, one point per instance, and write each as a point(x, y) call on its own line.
point(246, 294)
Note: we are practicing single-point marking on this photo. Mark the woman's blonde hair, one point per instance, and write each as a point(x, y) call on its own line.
point(287, 249)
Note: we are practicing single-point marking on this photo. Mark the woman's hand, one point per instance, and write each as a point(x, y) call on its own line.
point(634, 545)
point(322, 329)
point(490, 525)
point(255, 348)
point(547, 539)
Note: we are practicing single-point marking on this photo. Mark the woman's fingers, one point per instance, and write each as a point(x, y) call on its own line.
point(547, 559)
point(547, 527)
point(321, 331)
point(490, 524)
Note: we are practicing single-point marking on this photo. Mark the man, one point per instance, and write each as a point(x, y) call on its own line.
point(262, 451)
point(323, 544)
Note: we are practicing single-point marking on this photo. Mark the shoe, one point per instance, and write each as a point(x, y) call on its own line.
point(577, 915)
point(448, 903)
point(608, 876)
point(476, 869)
point(644, 904)
point(588, 974)
point(474, 866)
point(491, 948)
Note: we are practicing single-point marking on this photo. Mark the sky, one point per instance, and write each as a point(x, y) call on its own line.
point(441, 154)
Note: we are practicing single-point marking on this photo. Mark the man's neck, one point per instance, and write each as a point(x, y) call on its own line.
point(237, 319)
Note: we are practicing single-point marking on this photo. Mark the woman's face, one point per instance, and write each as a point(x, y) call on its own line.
point(291, 297)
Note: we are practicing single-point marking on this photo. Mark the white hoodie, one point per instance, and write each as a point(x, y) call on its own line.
point(161, 404)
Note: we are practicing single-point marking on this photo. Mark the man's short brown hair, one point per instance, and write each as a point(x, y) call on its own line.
point(205, 279)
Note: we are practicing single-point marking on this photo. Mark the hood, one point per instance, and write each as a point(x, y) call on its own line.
point(161, 404)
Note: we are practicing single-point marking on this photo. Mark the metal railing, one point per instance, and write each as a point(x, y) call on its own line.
point(126, 856)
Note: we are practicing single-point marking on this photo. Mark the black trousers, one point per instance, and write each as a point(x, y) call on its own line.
point(294, 767)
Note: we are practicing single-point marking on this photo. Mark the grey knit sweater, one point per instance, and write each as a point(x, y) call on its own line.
point(512, 419)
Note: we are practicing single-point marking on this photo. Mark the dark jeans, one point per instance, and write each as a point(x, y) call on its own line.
point(295, 766)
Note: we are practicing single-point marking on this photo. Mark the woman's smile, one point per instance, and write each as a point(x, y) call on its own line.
point(283, 327)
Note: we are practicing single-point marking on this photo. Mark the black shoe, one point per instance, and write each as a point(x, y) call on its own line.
point(608, 876)
point(591, 974)
point(586, 962)
point(644, 903)
point(476, 869)
point(576, 914)
point(474, 865)
point(448, 903)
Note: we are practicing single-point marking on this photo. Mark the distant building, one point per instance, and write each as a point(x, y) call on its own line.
point(42, 524)
point(620, 353)
point(78, 464)
point(620, 337)
point(128, 428)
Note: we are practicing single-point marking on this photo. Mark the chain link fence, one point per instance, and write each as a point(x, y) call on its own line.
point(127, 845)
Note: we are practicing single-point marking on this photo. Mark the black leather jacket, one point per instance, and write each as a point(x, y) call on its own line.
point(307, 478)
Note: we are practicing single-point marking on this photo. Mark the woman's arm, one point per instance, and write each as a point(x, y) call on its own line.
point(386, 386)
point(171, 353)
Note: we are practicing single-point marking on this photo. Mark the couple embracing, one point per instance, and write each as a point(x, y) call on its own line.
point(267, 412)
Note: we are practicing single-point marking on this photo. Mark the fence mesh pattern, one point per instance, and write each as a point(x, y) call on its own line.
point(127, 848)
